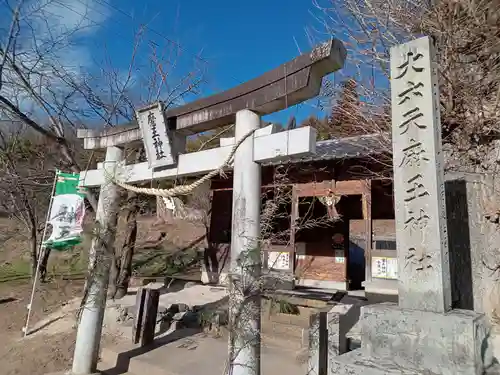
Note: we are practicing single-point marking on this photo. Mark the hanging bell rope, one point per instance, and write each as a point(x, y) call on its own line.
point(183, 189)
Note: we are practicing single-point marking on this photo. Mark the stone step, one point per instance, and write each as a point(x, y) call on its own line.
point(292, 344)
point(356, 363)
point(280, 336)
point(103, 369)
point(283, 328)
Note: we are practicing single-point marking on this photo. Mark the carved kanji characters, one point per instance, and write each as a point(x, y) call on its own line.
point(410, 58)
point(411, 116)
point(414, 89)
point(418, 257)
point(417, 221)
point(415, 188)
point(414, 154)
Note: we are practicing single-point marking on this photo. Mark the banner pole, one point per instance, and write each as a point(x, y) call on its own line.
point(25, 328)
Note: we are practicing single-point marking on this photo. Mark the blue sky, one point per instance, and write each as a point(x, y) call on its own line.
point(238, 39)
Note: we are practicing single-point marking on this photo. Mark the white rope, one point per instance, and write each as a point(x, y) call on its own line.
point(184, 189)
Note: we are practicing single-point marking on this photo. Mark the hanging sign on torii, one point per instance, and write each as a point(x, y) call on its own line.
point(161, 143)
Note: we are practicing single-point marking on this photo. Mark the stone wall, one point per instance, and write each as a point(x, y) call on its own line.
point(474, 242)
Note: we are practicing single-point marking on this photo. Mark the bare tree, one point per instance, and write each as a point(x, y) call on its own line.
point(31, 83)
point(161, 86)
point(26, 177)
point(466, 34)
point(39, 91)
point(53, 98)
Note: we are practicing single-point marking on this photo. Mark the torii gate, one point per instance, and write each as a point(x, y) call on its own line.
point(164, 134)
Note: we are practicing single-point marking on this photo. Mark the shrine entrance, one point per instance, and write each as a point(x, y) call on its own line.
point(327, 257)
point(163, 132)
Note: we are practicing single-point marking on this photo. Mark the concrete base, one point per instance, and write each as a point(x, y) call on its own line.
point(186, 353)
point(356, 363)
point(400, 341)
point(379, 286)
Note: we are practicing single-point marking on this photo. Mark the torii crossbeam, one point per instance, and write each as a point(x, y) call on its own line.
point(289, 84)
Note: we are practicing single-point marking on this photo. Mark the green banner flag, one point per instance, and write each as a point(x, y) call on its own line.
point(67, 212)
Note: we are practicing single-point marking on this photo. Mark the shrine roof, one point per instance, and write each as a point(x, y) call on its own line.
point(348, 148)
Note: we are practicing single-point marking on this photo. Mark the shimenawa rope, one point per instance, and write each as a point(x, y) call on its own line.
point(184, 189)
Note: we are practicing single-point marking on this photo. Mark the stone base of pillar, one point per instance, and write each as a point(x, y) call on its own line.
point(402, 341)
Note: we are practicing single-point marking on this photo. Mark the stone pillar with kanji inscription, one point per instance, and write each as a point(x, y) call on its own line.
point(422, 239)
point(421, 334)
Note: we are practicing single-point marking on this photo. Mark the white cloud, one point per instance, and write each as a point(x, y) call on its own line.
point(54, 37)
point(62, 28)
point(67, 15)
point(82, 16)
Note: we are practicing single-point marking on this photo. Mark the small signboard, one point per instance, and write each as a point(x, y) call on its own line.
point(339, 256)
point(157, 138)
point(278, 261)
point(384, 268)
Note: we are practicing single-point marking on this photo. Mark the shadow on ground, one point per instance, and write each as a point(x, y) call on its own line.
point(122, 363)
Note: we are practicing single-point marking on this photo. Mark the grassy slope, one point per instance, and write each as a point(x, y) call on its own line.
point(168, 257)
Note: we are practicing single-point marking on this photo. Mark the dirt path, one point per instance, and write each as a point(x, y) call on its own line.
point(39, 354)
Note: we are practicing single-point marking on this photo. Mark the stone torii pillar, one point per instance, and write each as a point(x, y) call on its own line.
point(163, 135)
point(92, 314)
point(244, 298)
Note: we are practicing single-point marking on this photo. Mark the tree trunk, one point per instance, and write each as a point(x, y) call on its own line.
point(114, 271)
point(127, 250)
point(34, 252)
point(43, 264)
point(123, 266)
point(44, 253)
